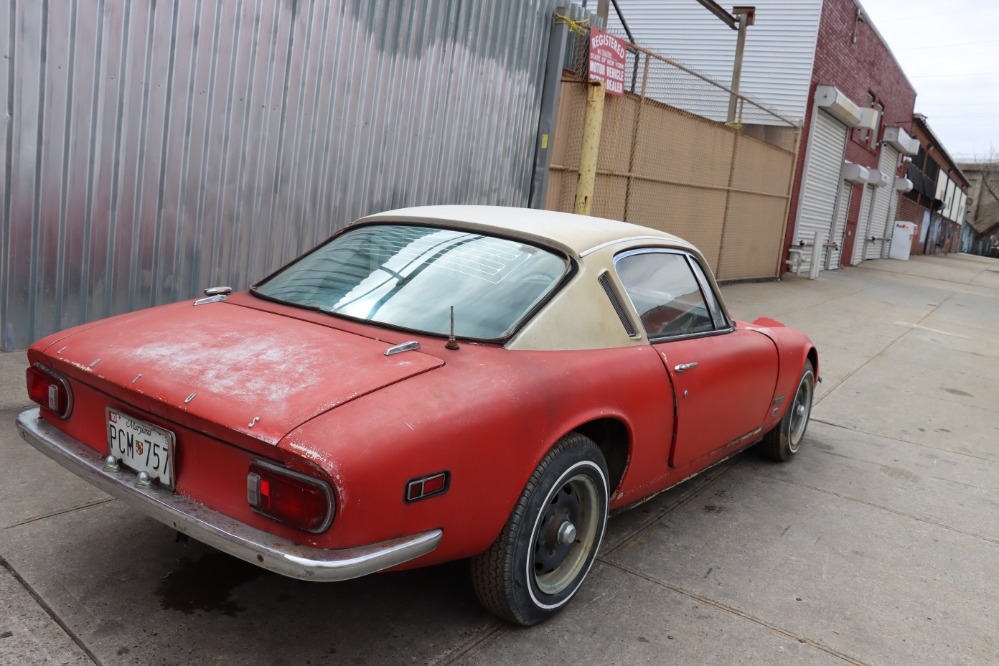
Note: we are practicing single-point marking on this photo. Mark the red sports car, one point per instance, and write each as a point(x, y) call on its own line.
point(428, 384)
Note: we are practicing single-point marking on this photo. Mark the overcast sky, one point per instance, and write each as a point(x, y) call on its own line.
point(949, 50)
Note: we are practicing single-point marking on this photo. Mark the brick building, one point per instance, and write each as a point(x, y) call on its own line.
point(937, 201)
point(856, 132)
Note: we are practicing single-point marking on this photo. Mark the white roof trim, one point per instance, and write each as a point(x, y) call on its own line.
point(630, 239)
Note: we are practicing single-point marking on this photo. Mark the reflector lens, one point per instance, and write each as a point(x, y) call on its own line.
point(433, 485)
point(49, 390)
point(428, 486)
point(289, 497)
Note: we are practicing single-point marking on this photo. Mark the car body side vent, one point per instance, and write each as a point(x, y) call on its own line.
point(615, 300)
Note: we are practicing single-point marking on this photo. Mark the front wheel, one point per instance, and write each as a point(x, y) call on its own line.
point(550, 541)
point(783, 441)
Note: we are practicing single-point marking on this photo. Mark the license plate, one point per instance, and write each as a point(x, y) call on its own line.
point(141, 446)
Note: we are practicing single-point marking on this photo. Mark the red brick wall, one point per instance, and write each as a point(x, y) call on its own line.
point(856, 69)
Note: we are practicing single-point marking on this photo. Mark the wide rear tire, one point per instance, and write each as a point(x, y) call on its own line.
point(551, 539)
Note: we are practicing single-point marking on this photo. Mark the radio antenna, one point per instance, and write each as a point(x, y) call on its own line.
point(451, 342)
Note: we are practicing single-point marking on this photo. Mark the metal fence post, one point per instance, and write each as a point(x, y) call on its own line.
point(592, 124)
point(818, 247)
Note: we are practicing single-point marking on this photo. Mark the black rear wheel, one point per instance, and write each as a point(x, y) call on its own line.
point(550, 541)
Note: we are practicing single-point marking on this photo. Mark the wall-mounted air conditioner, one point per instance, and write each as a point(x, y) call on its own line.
point(877, 178)
point(855, 173)
point(869, 119)
point(903, 185)
point(900, 140)
point(838, 105)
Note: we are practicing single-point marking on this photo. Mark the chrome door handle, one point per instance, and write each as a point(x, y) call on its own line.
point(683, 367)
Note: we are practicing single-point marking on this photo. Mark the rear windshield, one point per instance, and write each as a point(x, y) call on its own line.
point(410, 276)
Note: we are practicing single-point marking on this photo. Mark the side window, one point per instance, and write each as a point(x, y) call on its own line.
point(663, 288)
point(717, 313)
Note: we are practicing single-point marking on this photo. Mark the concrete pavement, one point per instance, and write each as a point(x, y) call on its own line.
point(878, 544)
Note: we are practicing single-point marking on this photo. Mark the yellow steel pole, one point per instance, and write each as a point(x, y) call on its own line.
point(592, 122)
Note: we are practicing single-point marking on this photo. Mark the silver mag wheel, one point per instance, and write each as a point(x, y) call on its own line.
point(550, 541)
point(783, 441)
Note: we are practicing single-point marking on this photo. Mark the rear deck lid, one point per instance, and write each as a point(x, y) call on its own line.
point(224, 367)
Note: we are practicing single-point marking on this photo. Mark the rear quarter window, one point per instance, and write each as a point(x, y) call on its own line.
point(668, 289)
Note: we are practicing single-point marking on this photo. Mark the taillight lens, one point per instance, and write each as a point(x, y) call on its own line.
point(50, 390)
point(289, 497)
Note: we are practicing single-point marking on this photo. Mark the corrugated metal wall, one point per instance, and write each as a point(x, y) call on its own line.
point(151, 149)
point(779, 54)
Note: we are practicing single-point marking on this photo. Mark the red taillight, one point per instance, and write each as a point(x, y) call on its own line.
point(290, 497)
point(50, 390)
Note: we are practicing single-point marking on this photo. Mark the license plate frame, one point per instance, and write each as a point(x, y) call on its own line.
point(151, 448)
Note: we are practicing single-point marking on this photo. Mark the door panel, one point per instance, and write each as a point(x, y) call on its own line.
point(723, 376)
point(723, 387)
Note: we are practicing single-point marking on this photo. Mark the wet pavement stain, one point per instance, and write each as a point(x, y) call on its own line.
point(205, 584)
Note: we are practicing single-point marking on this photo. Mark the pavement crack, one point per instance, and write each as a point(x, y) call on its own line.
point(935, 278)
point(735, 611)
point(903, 441)
point(5, 565)
point(494, 631)
point(60, 512)
point(877, 355)
point(882, 507)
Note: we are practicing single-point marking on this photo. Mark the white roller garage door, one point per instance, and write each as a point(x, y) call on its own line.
point(863, 225)
point(881, 208)
point(821, 177)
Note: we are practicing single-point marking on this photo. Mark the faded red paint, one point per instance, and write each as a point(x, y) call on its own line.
point(339, 409)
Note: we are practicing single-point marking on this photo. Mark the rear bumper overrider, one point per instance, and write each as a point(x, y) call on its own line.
point(216, 529)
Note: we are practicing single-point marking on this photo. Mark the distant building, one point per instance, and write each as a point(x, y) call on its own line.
point(980, 232)
point(938, 199)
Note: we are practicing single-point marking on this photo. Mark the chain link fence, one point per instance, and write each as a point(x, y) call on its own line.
point(679, 152)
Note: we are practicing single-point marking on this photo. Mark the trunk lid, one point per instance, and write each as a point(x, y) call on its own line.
point(220, 367)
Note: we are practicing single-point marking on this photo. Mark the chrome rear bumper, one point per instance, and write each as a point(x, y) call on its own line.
point(217, 530)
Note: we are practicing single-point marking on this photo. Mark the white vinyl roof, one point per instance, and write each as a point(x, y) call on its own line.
point(577, 235)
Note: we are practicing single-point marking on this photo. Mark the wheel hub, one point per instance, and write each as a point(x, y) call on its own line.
point(558, 532)
point(566, 533)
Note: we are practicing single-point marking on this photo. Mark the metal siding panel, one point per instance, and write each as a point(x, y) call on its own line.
point(821, 177)
point(153, 149)
point(779, 54)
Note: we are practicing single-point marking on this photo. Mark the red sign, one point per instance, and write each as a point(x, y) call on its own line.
point(607, 56)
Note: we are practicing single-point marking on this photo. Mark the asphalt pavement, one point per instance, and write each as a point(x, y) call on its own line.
point(877, 544)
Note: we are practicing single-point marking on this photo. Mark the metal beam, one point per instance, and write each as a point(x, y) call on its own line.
point(720, 12)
